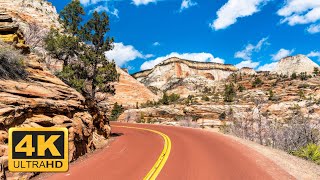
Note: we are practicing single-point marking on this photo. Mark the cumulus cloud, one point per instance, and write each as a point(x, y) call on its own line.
point(143, 2)
point(124, 53)
point(301, 12)
point(200, 57)
point(187, 4)
point(247, 63)
point(281, 54)
point(91, 2)
point(314, 54)
point(156, 44)
point(101, 8)
point(268, 67)
point(229, 13)
point(246, 53)
point(314, 28)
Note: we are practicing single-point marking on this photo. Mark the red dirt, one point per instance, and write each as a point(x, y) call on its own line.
point(195, 154)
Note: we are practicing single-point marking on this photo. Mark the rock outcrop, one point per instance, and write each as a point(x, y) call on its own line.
point(168, 74)
point(247, 70)
point(43, 100)
point(129, 91)
point(34, 18)
point(10, 32)
point(26, 12)
point(295, 64)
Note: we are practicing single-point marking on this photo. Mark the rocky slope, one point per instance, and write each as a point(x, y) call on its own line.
point(26, 12)
point(208, 109)
point(129, 91)
point(43, 100)
point(297, 64)
point(34, 18)
point(39, 99)
point(182, 75)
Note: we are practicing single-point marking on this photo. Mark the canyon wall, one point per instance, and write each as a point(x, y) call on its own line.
point(175, 68)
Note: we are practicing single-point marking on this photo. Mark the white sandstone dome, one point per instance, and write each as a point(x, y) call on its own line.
point(295, 64)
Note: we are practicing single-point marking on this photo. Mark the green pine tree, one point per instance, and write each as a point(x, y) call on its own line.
point(82, 46)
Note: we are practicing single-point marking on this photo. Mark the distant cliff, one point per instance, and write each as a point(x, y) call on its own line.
point(295, 64)
point(174, 69)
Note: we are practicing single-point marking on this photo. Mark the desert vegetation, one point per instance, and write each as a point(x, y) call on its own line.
point(298, 135)
point(165, 100)
point(11, 63)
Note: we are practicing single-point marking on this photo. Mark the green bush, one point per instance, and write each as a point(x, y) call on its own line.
point(205, 98)
point(303, 76)
point(294, 76)
point(241, 88)
point(11, 63)
point(116, 111)
point(310, 152)
point(229, 93)
point(257, 82)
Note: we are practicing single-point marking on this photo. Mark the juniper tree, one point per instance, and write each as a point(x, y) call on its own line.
point(71, 17)
point(89, 71)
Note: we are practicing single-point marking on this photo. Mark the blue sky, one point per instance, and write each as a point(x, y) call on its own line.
point(253, 33)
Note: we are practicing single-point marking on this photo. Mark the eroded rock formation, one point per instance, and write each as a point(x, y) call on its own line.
point(129, 91)
point(184, 76)
point(43, 100)
point(295, 64)
point(10, 32)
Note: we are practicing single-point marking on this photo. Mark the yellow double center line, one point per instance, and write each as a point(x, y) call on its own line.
point(157, 167)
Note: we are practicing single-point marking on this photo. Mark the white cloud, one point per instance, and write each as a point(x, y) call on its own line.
point(234, 9)
point(268, 67)
point(156, 44)
point(143, 2)
point(250, 48)
point(301, 12)
point(314, 54)
point(124, 53)
point(91, 2)
point(281, 54)
point(201, 57)
point(247, 63)
point(314, 28)
point(101, 8)
point(187, 4)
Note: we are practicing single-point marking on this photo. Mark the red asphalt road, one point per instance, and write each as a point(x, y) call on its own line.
point(195, 155)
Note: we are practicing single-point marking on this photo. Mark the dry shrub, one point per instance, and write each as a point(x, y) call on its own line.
point(291, 135)
point(11, 63)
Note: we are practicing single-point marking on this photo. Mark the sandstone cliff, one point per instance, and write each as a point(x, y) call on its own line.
point(174, 74)
point(295, 64)
point(31, 96)
point(129, 91)
point(26, 12)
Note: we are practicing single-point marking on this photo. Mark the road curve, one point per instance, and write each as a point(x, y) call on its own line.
point(195, 155)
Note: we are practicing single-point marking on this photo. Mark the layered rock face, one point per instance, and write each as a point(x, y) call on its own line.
point(10, 33)
point(295, 64)
point(26, 12)
point(170, 73)
point(34, 18)
point(43, 100)
point(129, 91)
